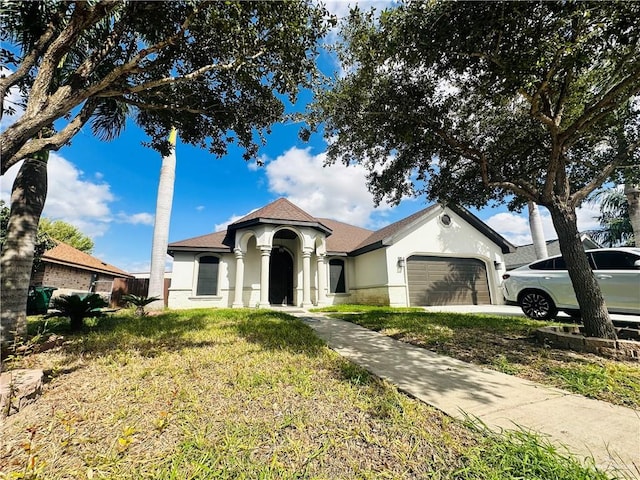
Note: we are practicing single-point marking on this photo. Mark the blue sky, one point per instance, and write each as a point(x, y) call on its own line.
point(108, 189)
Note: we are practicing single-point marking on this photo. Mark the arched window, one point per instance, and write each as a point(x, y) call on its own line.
point(207, 276)
point(337, 282)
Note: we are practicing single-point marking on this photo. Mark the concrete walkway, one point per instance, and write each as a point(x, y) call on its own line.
point(588, 428)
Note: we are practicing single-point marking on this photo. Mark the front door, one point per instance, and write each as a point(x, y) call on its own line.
point(280, 277)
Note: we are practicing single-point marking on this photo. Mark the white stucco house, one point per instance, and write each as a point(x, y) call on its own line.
point(281, 255)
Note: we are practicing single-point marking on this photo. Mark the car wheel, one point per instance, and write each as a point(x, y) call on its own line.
point(538, 305)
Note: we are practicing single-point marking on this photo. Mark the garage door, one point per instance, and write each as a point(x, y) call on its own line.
point(447, 281)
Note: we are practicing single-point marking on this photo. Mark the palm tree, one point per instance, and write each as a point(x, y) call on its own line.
point(139, 302)
point(29, 189)
point(164, 203)
point(77, 308)
point(614, 220)
point(632, 192)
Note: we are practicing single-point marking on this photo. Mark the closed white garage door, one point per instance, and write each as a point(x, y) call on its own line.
point(447, 281)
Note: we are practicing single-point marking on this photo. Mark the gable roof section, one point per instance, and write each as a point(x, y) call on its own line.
point(280, 211)
point(384, 236)
point(342, 238)
point(63, 254)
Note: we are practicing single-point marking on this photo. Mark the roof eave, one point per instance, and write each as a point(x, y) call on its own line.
point(172, 249)
point(86, 267)
point(275, 221)
point(486, 230)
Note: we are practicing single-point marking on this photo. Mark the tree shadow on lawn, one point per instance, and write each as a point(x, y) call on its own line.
point(176, 330)
point(278, 331)
point(149, 336)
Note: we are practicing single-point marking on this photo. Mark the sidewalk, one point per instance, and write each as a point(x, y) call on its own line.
point(608, 433)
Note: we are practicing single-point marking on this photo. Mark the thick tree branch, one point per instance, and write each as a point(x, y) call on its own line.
point(173, 108)
point(605, 104)
point(28, 61)
point(55, 142)
point(578, 197)
point(81, 19)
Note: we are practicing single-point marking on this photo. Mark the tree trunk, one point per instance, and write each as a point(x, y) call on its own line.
point(161, 226)
point(632, 192)
point(27, 201)
point(595, 316)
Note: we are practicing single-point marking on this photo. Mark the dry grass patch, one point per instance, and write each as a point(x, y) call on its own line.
point(235, 394)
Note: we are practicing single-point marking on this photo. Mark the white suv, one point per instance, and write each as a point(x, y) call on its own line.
point(544, 287)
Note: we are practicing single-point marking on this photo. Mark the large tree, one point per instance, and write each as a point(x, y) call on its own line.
point(217, 71)
point(67, 233)
point(480, 102)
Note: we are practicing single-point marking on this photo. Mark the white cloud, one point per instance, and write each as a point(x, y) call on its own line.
point(14, 99)
point(200, 208)
point(136, 218)
point(337, 191)
point(233, 218)
point(515, 226)
point(75, 199)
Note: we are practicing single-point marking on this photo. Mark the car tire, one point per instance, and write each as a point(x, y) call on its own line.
point(537, 305)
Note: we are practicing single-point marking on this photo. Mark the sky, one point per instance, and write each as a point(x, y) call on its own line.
point(108, 189)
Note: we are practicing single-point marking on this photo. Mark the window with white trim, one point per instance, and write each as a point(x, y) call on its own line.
point(207, 275)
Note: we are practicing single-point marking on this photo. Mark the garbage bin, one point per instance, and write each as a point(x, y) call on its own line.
point(38, 300)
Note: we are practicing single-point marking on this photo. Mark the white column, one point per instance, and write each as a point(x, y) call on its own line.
point(237, 302)
point(322, 280)
point(306, 278)
point(265, 252)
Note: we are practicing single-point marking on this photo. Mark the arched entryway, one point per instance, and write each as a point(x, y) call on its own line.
point(280, 277)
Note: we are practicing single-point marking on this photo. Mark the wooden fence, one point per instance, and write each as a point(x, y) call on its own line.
point(134, 286)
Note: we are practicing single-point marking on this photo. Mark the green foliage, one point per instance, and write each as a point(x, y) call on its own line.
point(139, 301)
point(474, 102)
point(615, 226)
point(67, 233)
point(217, 71)
point(78, 308)
point(517, 454)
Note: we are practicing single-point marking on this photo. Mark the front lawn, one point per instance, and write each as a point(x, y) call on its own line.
point(505, 344)
point(240, 394)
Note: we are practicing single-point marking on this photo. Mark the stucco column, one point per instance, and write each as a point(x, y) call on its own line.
point(265, 253)
point(237, 301)
point(306, 278)
point(322, 280)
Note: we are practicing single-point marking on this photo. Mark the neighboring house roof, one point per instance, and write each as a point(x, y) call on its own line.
point(341, 237)
point(63, 254)
point(526, 254)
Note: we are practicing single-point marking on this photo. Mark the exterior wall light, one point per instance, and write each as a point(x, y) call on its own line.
point(400, 262)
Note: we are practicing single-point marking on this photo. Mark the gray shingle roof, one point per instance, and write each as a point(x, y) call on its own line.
point(526, 254)
point(341, 237)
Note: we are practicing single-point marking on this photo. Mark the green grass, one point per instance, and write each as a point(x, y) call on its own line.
point(351, 308)
point(240, 394)
point(506, 344)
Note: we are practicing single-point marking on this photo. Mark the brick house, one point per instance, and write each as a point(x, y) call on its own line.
point(72, 271)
